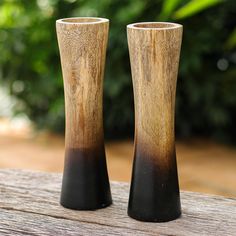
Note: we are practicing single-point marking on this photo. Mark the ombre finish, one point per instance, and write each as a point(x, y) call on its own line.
point(82, 44)
point(154, 49)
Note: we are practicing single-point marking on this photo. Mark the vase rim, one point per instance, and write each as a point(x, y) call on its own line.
point(154, 25)
point(82, 20)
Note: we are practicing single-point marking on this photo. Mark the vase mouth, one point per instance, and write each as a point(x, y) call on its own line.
point(82, 20)
point(154, 26)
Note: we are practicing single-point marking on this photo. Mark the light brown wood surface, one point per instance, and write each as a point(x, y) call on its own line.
point(154, 50)
point(29, 206)
point(82, 43)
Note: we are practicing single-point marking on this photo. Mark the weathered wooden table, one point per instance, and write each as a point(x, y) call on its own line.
point(29, 206)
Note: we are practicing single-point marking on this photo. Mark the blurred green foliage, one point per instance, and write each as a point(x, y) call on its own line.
point(206, 94)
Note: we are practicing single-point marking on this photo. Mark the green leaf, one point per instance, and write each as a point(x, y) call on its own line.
point(231, 41)
point(9, 13)
point(168, 7)
point(193, 7)
point(125, 15)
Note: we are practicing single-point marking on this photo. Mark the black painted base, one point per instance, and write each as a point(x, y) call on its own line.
point(152, 218)
point(154, 192)
point(85, 183)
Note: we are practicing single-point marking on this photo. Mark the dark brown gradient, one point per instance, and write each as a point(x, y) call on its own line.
point(85, 183)
point(154, 193)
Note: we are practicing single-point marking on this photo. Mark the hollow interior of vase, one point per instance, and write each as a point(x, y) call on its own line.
point(155, 25)
point(81, 20)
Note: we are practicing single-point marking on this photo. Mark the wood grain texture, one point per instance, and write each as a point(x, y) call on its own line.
point(82, 43)
point(154, 49)
point(29, 206)
point(154, 56)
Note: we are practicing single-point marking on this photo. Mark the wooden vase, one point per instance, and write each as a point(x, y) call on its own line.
point(82, 45)
point(154, 49)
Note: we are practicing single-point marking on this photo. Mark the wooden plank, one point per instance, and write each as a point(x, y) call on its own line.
point(21, 223)
point(29, 204)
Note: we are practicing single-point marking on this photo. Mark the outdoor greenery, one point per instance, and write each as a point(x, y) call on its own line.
point(206, 93)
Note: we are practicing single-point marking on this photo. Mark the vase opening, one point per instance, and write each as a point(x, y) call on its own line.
point(82, 20)
point(155, 25)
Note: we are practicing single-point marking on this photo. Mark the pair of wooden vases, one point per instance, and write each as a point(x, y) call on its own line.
point(154, 49)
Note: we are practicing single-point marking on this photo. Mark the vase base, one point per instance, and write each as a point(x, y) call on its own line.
point(86, 208)
point(157, 219)
point(85, 184)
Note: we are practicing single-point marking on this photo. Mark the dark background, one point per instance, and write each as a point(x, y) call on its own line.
point(206, 92)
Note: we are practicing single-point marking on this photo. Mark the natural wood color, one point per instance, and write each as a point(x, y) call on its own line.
point(82, 43)
point(154, 49)
point(29, 206)
point(154, 56)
